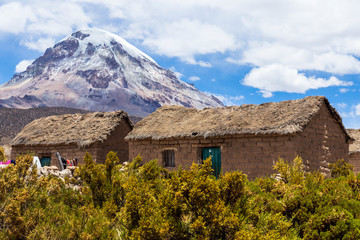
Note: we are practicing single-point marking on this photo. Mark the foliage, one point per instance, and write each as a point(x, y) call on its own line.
point(2, 154)
point(340, 168)
point(291, 173)
point(145, 201)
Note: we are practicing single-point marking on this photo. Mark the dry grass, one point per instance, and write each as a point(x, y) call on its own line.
point(82, 129)
point(13, 120)
point(280, 118)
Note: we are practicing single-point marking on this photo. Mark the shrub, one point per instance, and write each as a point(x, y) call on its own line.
point(2, 154)
point(340, 168)
point(145, 201)
point(291, 173)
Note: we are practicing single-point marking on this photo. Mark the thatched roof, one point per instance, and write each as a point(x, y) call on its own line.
point(281, 118)
point(355, 145)
point(82, 129)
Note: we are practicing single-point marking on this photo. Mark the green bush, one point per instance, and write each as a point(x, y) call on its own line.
point(340, 168)
point(2, 154)
point(145, 201)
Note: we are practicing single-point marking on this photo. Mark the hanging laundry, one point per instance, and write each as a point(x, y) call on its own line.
point(36, 161)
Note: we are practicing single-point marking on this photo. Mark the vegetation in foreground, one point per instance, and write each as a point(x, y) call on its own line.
point(148, 202)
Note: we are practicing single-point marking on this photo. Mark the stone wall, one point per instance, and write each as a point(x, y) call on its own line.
point(354, 160)
point(322, 142)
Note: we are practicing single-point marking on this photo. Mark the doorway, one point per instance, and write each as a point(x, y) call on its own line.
point(215, 154)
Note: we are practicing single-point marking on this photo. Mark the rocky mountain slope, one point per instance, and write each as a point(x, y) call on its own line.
point(96, 70)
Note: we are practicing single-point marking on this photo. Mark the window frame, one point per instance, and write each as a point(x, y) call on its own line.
point(168, 157)
point(48, 163)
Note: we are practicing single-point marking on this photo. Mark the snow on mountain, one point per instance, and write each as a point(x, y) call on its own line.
point(97, 70)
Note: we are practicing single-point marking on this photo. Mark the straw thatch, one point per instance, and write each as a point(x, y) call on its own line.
point(355, 145)
point(82, 129)
point(281, 118)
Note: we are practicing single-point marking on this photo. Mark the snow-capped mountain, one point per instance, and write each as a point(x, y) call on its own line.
point(96, 70)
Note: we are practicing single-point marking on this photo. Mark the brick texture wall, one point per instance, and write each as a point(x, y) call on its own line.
point(354, 160)
point(252, 155)
point(66, 151)
point(322, 142)
point(115, 142)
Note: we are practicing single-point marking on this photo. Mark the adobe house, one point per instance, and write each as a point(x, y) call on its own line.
point(354, 149)
point(72, 135)
point(249, 138)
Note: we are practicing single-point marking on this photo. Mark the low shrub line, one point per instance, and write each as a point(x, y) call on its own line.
point(146, 201)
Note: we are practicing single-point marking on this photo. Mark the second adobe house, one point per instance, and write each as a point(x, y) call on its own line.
point(72, 135)
point(354, 149)
point(249, 138)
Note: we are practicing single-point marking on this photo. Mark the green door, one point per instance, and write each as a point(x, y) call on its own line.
point(45, 161)
point(215, 154)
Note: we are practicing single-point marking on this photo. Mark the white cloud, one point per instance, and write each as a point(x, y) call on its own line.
point(342, 105)
point(266, 93)
point(21, 66)
point(179, 75)
point(187, 38)
point(344, 90)
point(194, 78)
point(191, 60)
point(41, 21)
point(40, 44)
point(351, 116)
point(273, 78)
point(60, 20)
point(262, 54)
point(299, 26)
point(227, 99)
point(357, 110)
point(13, 17)
point(204, 64)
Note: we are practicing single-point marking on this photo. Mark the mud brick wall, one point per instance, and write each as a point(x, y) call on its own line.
point(255, 156)
point(66, 151)
point(115, 142)
point(251, 155)
point(354, 160)
point(322, 142)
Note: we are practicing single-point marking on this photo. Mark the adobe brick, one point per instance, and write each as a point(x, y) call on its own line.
point(262, 144)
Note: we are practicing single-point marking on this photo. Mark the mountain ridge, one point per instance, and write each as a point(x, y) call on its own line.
point(97, 70)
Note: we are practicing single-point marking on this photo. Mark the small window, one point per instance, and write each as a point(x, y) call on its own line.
point(169, 158)
point(45, 161)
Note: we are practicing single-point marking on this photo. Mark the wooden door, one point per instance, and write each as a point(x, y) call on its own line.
point(215, 154)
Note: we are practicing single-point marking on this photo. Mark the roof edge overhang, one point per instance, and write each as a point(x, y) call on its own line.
point(198, 137)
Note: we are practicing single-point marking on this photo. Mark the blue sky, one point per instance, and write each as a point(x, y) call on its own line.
point(242, 51)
